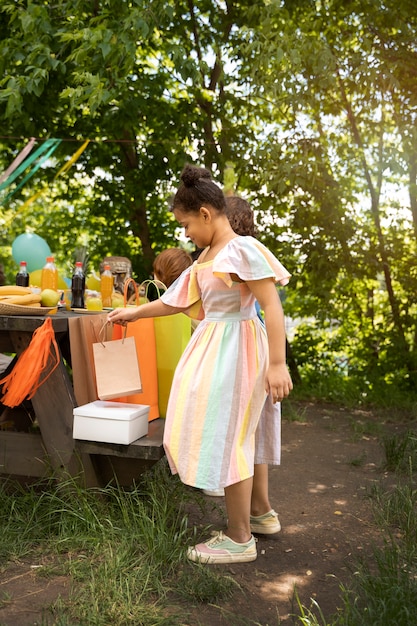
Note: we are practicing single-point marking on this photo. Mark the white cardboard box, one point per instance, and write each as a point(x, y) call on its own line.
point(112, 422)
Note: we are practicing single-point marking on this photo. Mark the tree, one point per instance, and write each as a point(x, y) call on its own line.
point(341, 147)
point(146, 82)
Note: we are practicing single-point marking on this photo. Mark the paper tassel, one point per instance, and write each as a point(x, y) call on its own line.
point(33, 367)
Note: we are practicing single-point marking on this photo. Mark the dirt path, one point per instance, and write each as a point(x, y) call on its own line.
point(329, 462)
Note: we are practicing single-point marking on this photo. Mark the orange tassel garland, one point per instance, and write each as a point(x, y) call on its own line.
point(33, 367)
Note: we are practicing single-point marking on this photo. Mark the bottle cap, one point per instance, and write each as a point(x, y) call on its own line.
point(23, 263)
point(106, 267)
point(50, 259)
point(78, 264)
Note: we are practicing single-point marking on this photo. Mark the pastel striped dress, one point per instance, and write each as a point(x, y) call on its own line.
point(218, 391)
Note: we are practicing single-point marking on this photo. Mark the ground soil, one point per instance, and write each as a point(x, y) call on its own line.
point(331, 457)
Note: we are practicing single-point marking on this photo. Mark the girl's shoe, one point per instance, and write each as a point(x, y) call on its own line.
point(266, 524)
point(222, 549)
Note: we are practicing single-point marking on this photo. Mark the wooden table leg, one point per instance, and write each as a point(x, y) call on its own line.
point(53, 404)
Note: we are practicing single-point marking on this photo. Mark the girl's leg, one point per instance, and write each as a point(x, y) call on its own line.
point(263, 519)
point(238, 502)
point(236, 544)
point(260, 492)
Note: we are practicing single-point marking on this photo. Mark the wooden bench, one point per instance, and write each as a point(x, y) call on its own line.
point(124, 463)
point(148, 448)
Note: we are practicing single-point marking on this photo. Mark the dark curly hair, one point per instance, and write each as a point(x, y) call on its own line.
point(240, 216)
point(196, 190)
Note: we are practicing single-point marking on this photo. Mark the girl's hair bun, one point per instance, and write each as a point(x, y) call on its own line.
point(191, 174)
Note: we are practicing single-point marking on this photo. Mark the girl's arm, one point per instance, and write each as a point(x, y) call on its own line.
point(278, 380)
point(157, 308)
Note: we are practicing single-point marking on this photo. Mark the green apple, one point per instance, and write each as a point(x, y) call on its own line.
point(94, 303)
point(117, 300)
point(50, 297)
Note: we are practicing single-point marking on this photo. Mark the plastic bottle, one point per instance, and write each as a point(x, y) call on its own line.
point(78, 287)
point(22, 276)
point(106, 286)
point(49, 276)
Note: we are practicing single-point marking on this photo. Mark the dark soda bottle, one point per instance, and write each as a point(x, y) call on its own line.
point(78, 287)
point(22, 276)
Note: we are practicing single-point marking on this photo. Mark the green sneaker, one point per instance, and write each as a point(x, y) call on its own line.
point(222, 549)
point(266, 524)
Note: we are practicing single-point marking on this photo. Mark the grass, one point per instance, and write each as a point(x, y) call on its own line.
point(364, 428)
point(400, 451)
point(123, 550)
point(293, 412)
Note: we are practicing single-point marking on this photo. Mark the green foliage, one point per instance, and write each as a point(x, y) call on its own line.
point(302, 107)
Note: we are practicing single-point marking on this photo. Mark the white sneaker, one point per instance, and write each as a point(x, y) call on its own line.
point(266, 524)
point(214, 493)
point(222, 549)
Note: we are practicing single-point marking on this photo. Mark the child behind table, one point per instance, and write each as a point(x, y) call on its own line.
point(169, 264)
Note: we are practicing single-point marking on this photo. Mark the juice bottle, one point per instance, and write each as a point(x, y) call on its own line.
point(49, 275)
point(78, 287)
point(22, 277)
point(106, 286)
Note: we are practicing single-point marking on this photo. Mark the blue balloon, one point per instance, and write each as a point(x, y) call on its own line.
point(32, 249)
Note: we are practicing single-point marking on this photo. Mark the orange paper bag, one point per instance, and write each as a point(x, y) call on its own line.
point(144, 333)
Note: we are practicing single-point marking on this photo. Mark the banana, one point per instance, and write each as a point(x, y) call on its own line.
point(28, 299)
point(14, 290)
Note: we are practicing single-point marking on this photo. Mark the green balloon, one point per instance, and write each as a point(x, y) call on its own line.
point(32, 249)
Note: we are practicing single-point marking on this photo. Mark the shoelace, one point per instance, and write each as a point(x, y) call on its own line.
point(218, 538)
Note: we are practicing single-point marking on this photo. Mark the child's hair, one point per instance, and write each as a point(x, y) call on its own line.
point(169, 264)
point(240, 216)
point(196, 190)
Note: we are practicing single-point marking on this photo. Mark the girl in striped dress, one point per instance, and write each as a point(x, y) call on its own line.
point(230, 364)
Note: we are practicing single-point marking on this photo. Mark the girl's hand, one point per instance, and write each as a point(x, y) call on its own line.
point(278, 382)
point(122, 315)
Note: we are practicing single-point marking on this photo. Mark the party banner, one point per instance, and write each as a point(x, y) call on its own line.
point(63, 169)
point(22, 155)
point(33, 171)
point(47, 145)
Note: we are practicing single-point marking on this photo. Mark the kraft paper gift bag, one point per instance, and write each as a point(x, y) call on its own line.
point(83, 332)
point(117, 368)
point(143, 332)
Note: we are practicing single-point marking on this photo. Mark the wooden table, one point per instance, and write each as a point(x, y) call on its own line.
point(52, 449)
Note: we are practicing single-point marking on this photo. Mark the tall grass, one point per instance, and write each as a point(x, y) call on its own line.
point(124, 550)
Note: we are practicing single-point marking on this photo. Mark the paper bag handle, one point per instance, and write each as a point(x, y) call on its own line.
point(145, 284)
point(156, 283)
point(126, 290)
point(100, 338)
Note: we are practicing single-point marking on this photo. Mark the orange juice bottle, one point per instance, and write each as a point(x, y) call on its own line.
point(106, 287)
point(49, 275)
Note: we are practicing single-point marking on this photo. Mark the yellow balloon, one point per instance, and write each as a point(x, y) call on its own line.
point(35, 280)
point(61, 282)
point(93, 282)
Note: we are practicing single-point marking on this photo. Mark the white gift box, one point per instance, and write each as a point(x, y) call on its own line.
point(111, 422)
